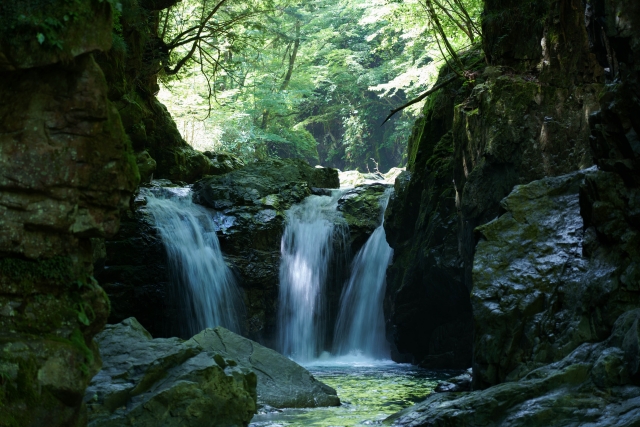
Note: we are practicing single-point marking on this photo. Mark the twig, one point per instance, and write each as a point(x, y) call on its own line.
point(421, 97)
point(429, 92)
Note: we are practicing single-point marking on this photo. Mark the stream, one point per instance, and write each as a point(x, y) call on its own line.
point(370, 390)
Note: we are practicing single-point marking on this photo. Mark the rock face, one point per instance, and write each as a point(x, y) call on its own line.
point(544, 291)
point(520, 119)
point(555, 285)
point(131, 68)
point(168, 382)
point(361, 208)
point(540, 290)
point(282, 383)
point(135, 269)
point(67, 170)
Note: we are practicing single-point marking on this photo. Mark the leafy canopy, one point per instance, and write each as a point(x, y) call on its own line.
point(312, 79)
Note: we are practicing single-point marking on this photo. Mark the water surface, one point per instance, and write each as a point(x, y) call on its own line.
point(370, 391)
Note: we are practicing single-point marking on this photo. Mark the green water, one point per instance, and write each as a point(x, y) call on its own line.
point(370, 391)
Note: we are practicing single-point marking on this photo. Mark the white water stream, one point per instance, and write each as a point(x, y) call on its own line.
point(203, 284)
point(360, 325)
point(306, 250)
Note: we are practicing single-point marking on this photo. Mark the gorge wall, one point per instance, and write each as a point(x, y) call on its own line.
point(551, 269)
point(521, 115)
point(67, 171)
point(553, 273)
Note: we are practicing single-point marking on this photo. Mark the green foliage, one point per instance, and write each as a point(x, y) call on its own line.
point(311, 79)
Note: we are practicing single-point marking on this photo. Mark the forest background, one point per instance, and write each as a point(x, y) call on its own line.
point(312, 79)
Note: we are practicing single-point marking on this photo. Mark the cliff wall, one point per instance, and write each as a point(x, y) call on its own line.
point(519, 116)
point(555, 291)
point(67, 171)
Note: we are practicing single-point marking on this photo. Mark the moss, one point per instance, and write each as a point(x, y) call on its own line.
point(23, 276)
point(46, 21)
point(78, 341)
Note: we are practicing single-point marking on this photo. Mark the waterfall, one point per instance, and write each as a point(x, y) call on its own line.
point(306, 250)
point(360, 325)
point(203, 285)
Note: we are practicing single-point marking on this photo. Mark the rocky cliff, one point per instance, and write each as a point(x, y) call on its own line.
point(67, 171)
point(554, 282)
point(521, 118)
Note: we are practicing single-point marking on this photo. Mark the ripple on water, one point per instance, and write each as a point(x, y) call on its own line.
point(370, 391)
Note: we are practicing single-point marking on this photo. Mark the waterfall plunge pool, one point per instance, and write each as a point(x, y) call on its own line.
point(370, 391)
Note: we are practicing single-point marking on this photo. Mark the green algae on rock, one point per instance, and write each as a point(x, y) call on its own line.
point(360, 207)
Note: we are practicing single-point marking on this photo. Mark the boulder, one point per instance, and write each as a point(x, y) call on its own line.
point(147, 382)
point(282, 383)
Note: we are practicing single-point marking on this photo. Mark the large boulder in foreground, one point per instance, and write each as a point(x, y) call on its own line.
point(165, 382)
point(282, 383)
point(208, 380)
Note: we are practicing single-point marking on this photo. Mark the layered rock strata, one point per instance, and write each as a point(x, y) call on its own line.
point(67, 171)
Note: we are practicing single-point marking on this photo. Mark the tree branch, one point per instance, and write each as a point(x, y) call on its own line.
point(421, 97)
point(429, 92)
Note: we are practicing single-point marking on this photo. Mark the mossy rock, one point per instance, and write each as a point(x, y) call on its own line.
point(44, 32)
point(362, 208)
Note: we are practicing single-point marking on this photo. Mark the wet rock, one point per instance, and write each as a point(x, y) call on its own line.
point(282, 383)
point(361, 208)
point(169, 382)
point(570, 392)
point(458, 383)
point(539, 290)
point(526, 262)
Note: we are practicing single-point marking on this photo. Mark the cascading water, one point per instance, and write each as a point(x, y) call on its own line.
point(360, 325)
point(203, 285)
point(306, 249)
